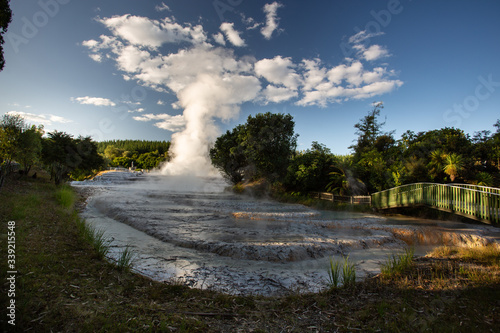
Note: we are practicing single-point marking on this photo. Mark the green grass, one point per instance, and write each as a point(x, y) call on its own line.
point(397, 264)
point(341, 272)
point(334, 273)
point(125, 258)
point(348, 273)
point(95, 237)
point(65, 196)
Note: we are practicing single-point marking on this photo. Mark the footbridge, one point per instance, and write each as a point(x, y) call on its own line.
point(476, 202)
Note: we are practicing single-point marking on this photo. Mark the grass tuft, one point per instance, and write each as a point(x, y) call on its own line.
point(125, 259)
point(100, 242)
point(345, 271)
point(334, 273)
point(348, 273)
point(398, 264)
point(95, 237)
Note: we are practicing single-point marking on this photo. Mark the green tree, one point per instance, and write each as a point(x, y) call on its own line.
point(5, 19)
point(30, 147)
point(122, 161)
point(485, 179)
point(111, 152)
point(368, 130)
point(453, 165)
point(416, 169)
point(262, 147)
point(87, 160)
point(342, 178)
point(138, 146)
point(11, 128)
point(308, 170)
point(227, 155)
point(65, 156)
point(269, 142)
point(375, 151)
point(496, 145)
point(149, 160)
point(376, 173)
point(55, 155)
point(436, 164)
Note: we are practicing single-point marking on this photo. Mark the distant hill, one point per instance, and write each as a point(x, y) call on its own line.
point(138, 146)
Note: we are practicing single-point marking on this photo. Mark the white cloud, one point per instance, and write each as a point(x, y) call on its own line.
point(344, 82)
point(250, 22)
point(137, 110)
point(91, 43)
point(270, 10)
point(134, 49)
point(97, 101)
point(279, 71)
point(178, 70)
point(151, 33)
point(160, 102)
point(279, 94)
point(232, 35)
point(363, 35)
point(162, 7)
point(375, 89)
point(375, 52)
point(96, 57)
point(44, 119)
point(167, 122)
point(369, 53)
point(350, 80)
point(314, 75)
point(219, 38)
point(131, 58)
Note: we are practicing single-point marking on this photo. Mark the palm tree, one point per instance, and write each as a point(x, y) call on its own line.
point(436, 165)
point(342, 180)
point(484, 179)
point(453, 165)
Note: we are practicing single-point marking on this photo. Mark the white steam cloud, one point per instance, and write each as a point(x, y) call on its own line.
point(211, 82)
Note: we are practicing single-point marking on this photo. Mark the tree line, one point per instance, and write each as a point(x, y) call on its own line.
point(23, 146)
point(265, 147)
point(140, 154)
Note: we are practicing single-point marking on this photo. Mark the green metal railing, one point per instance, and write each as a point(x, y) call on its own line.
point(477, 202)
point(354, 200)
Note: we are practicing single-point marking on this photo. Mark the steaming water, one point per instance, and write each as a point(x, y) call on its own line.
point(190, 230)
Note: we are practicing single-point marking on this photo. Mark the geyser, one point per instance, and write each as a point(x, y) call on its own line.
point(213, 95)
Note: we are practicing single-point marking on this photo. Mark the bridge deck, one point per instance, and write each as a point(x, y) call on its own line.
point(476, 202)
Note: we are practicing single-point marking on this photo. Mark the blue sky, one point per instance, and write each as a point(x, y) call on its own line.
point(147, 69)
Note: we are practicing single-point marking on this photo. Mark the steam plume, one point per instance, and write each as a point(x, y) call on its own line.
point(214, 93)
